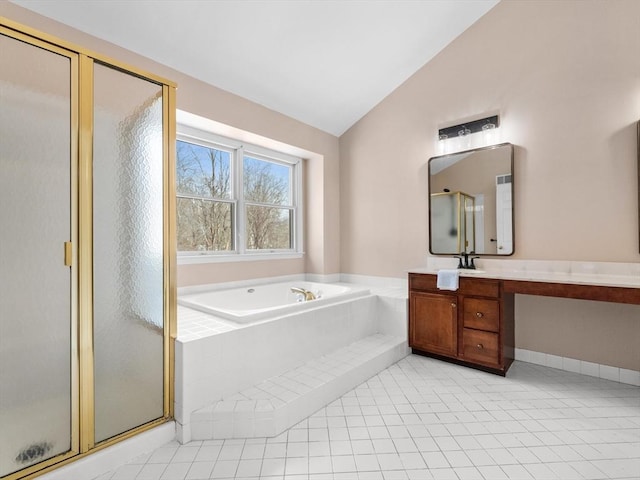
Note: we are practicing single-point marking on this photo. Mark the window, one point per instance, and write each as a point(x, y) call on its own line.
point(267, 198)
point(235, 199)
point(205, 205)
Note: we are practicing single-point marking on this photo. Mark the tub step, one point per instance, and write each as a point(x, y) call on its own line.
point(270, 407)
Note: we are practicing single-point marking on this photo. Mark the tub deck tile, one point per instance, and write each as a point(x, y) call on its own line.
point(268, 408)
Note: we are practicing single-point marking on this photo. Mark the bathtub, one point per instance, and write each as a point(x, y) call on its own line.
point(254, 303)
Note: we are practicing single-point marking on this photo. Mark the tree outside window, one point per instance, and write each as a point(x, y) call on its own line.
point(214, 211)
point(205, 209)
point(267, 194)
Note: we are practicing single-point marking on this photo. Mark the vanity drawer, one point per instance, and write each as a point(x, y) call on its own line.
point(482, 314)
point(481, 287)
point(479, 346)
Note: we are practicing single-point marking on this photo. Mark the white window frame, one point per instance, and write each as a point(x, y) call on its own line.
point(239, 150)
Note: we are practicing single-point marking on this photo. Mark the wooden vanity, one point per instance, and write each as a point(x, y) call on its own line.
point(475, 325)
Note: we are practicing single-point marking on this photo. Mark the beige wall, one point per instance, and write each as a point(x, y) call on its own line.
point(565, 78)
point(598, 332)
point(322, 187)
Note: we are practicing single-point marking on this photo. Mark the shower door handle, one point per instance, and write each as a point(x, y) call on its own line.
point(68, 254)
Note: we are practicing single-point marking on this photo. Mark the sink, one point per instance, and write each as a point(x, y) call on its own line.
point(465, 271)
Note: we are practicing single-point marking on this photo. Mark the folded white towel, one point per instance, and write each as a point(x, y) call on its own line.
point(448, 279)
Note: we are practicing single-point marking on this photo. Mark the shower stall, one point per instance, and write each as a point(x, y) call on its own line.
point(452, 228)
point(87, 296)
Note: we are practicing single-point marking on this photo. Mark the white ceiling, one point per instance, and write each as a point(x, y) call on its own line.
point(323, 62)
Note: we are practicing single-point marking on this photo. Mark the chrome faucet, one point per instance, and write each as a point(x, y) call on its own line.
point(307, 294)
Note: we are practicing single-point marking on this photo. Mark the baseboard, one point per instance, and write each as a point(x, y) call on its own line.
point(114, 456)
point(607, 372)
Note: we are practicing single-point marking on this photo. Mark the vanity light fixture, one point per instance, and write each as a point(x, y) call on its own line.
point(462, 136)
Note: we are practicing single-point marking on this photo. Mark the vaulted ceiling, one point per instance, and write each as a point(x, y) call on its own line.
point(323, 62)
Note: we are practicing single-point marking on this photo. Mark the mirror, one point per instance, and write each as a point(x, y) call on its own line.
point(471, 202)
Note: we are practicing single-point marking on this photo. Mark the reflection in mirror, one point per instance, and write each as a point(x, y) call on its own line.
point(470, 202)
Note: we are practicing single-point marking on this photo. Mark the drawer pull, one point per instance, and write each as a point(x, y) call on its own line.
point(479, 346)
point(479, 314)
point(453, 305)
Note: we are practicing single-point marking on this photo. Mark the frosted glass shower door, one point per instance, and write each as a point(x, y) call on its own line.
point(128, 251)
point(36, 332)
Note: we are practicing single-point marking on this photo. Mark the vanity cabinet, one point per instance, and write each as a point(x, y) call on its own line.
point(473, 326)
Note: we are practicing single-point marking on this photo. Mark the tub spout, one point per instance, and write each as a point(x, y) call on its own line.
point(307, 294)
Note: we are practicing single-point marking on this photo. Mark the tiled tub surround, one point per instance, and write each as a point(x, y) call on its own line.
point(242, 381)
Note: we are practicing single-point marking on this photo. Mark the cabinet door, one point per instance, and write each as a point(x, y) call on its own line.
point(434, 323)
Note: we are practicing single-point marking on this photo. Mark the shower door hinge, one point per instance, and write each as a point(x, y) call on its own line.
point(68, 254)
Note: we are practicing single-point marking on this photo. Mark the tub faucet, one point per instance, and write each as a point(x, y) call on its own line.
point(307, 294)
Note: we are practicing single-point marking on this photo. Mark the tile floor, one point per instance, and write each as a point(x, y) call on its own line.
point(423, 419)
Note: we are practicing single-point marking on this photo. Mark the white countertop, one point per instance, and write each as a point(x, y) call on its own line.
point(579, 273)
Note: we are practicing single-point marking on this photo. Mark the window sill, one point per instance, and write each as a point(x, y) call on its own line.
point(247, 257)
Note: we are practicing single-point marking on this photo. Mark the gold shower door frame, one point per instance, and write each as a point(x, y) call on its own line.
point(81, 261)
point(461, 211)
